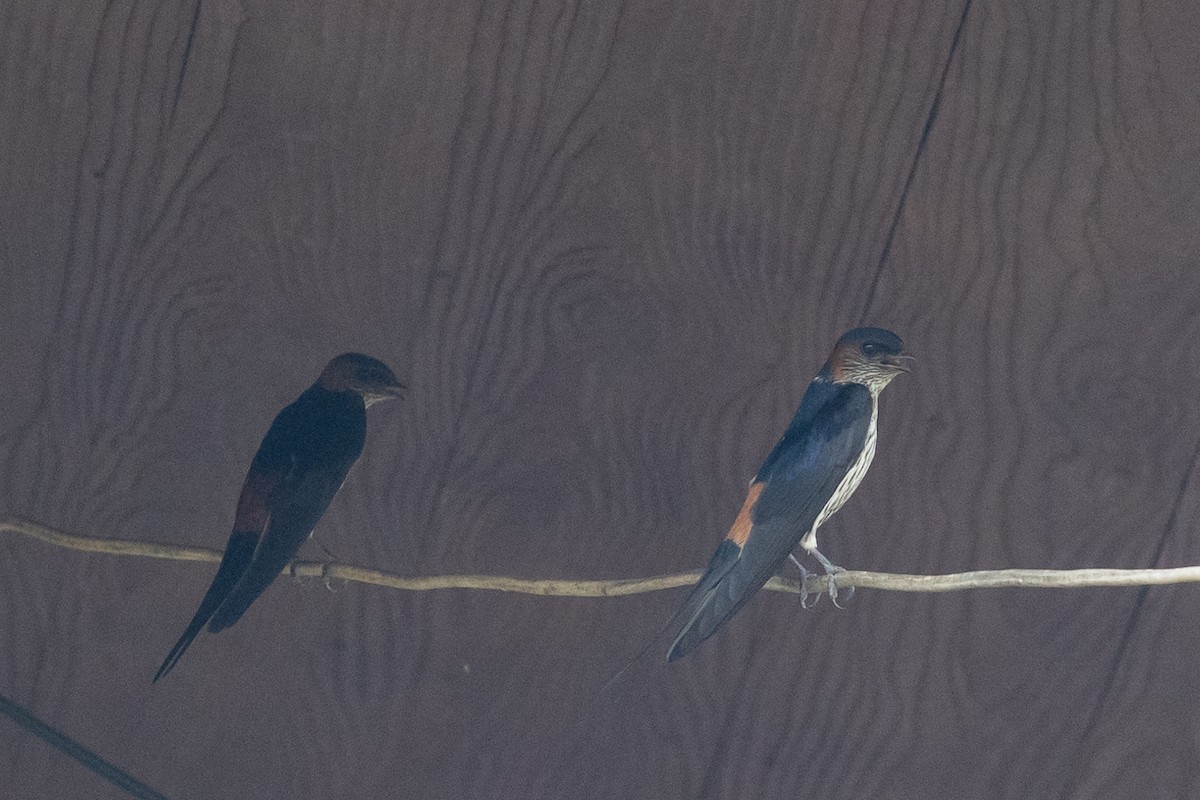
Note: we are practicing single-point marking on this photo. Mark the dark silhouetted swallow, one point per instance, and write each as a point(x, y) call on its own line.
point(810, 473)
point(299, 467)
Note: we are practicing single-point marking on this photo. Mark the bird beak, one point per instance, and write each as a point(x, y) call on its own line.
point(393, 391)
point(901, 363)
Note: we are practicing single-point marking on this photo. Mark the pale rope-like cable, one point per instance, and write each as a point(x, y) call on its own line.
point(982, 579)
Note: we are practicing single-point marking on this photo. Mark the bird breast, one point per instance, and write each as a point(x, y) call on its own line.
point(857, 470)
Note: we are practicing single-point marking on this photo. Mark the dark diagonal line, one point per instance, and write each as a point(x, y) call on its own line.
point(183, 63)
point(65, 744)
point(912, 169)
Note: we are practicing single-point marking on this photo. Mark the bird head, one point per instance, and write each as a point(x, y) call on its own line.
point(870, 356)
point(369, 377)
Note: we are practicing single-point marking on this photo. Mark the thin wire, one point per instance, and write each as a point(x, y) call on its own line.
point(620, 587)
point(930, 118)
point(73, 749)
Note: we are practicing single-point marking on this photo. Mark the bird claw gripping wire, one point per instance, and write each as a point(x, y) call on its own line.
point(832, 570)
point(833, 590)
point(804, 577)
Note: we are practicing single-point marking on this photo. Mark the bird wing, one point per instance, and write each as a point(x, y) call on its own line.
point(322, 435)
point(271, 466)
point(296, 507)
point(792, 487)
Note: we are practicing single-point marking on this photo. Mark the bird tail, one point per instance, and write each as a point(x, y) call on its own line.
point(717, 595)
point(238, 553)
point(269, 560)
point(637, 657)
point(721, 562)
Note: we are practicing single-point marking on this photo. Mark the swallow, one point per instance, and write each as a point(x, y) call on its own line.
point(810, 473)
point(299, 467)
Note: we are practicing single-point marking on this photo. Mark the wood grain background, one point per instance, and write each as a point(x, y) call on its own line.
point(607, 245)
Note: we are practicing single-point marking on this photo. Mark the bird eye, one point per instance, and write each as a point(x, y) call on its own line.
point(869, 348)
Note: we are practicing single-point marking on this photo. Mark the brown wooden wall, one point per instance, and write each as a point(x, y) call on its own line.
point(606, 245)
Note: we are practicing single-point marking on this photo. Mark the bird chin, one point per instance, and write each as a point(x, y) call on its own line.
point(878, 382)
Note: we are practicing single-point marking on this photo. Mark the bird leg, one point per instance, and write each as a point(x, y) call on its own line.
point(831, 570)
point(327, 551)
point(804, 574)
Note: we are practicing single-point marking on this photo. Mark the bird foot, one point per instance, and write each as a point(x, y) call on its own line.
point(805, 593)
point(804, 577)
point(327, 577)
point(832, 572)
